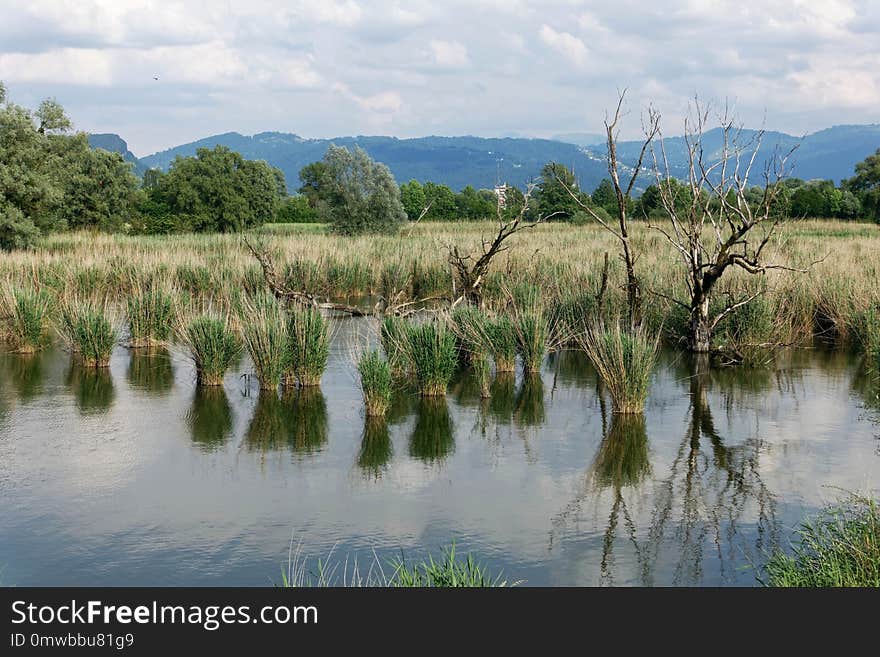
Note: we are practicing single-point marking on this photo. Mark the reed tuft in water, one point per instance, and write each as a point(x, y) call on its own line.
point(264, 335)
point(150, 317)
point(393, 335)
point(89, 330)
point(214, 347)
point(376, 383)
point(308, 339)
point(624, 360)
point(431, 348)
point(28, 315)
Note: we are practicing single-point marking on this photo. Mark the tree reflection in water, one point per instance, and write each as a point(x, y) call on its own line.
point(700, 504)
point(26, 372)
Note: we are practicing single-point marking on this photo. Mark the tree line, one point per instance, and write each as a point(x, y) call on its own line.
point(50, 180)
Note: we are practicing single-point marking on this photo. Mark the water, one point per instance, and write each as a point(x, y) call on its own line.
point(133, 476)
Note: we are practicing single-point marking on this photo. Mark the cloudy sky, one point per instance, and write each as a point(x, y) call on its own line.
point(323, 68)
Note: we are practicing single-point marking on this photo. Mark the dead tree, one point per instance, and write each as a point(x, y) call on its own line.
point(712, 225)
point(623, 194)
point(469, 269)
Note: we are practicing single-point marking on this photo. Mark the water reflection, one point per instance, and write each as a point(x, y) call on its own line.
point(210, 417)
point(622, 459)
point(432, 438)
point(92, 388)
point(26, 372)
point(502, 397)
point(710, 489)
point(150, 370)
point(297, 421)
point(529, 404)
point(376, 451)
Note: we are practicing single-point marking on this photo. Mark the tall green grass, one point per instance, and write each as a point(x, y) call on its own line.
point(264, 334)
point(624, 360)
point(431, 348)
point(393, 335)
point(448, 571)
point(214, 347)
point(841, 547)
point(308, 347)
point(376, 383)
point(89, 330)
point(150, 317)
point(28, 310)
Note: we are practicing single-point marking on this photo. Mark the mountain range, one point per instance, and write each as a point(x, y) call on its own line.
point(482, 162)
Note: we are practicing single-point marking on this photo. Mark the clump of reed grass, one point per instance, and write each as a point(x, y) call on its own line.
point(264, 334)
point(501, 339)
point(214, 347)
point(841, 547)
point(308, 340)
point(748, 333)
point(532, 337)
point(28, 315)
point(89, 330)
point(431, 348)
point(449, 571)
point(149, 317)
point(471, 325)
point(393, 335)
point(624, 360)
point(376, 383)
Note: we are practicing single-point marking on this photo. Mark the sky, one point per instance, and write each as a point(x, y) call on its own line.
point(324, 68)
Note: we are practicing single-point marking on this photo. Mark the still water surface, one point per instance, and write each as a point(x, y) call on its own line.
point(134, 476)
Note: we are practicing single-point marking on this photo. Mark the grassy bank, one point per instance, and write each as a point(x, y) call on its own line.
point(840, 547)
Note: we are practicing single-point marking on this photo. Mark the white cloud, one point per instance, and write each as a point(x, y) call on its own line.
point(517, 66)
point(568, 45)
point(449, 54)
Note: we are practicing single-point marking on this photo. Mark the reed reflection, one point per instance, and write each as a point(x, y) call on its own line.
point(529, 404)
point(150, 370)
point(92, 388)
point(297, 420)
point(432, 438)
point(376, 449)
point(26, 373)
point(210, 417)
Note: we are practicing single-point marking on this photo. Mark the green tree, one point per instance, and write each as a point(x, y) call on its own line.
point(552, 195)
point(605, 197)
point(310, 176)
point(865, 184)
point(472, 205)
point(99, 188)
point(296, 210)
point(442, 201)
point(356, 195)
point(29, 189)
point(412, 196)
point(219, 190)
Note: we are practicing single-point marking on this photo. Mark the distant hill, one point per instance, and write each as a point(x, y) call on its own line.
point(829, 154)
point(585, 139)
point(116, 144)
point(460, 161)
point(454, 161)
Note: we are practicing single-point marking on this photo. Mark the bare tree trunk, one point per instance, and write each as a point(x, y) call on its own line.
point(700, 329)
